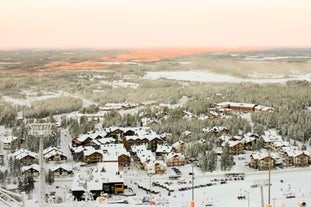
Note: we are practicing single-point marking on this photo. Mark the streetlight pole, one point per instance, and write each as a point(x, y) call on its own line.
point(261, 183)
point(150, 196)
point(192, 201)
point(247, 198)
point(269, 181)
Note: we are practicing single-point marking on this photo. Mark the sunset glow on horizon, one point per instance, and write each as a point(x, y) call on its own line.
point(154, 23)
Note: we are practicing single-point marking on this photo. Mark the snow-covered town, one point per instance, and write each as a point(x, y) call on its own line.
point(137, 166)
point(168, 129)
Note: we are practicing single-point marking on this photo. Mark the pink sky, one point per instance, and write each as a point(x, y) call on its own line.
point(155, 23)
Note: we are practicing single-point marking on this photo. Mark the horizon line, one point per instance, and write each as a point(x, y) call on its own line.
point(212, 48)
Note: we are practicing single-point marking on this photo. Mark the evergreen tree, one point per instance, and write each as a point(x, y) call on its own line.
point(226, 161)
point(26, 184)
point(211, 161)
point(50, 177)
point(303, 147)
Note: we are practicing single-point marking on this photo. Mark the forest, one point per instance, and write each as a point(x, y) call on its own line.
point(62, 92)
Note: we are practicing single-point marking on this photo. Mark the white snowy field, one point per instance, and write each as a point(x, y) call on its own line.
point(206, 76)
point(295, 181)
point(284, 182)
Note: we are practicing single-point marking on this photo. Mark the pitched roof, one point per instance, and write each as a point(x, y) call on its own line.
point(53, 153)
point(78, 149)
point(178, 143)
point(90, 151)
point(294, 151)
point(173, 154)
point(8, 139)
point(263, 154)
point(113, 151)
point(94, 181)
point(231, 143)
point(25, 153)
point(52, 149)
point(154, 162)
point(62, 166)
point(33, 166)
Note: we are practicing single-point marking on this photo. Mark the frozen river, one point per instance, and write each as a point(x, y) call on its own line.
point(206, 76)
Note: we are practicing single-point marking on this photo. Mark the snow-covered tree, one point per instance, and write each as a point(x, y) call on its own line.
point(226, 161)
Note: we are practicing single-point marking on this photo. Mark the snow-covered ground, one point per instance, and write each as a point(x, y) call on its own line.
point(287, 181)
point(284, 182)
point(206, 76)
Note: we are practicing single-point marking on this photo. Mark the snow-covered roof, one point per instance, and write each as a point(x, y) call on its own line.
point(96, 142)
point(251, 134)
point(173, 154)
point(294, 151)
point(186, 133)
point(280, 144)
point(51, 148)
point(61, 166)
point(118, 106)
point(213, 113)
point(143, 131)
point(8, 139)
point(149, 137)
point(249, 137)
point(226, 137)
point(188, 115)
point(33, 166)
point(214, 129)
point(22, 150)
point(137, 148)
point(83, 137)
point(23, 153)
point(165, 135)
point(202, 117)
point(90, 151)
point(271, 136)
point(263, 108)
point(53, 153)
point(234, 104)
point(146, 120)
point(98, 134)
point(20, 115)
point(178, 143)
point(93, 135)
point(263, 154)
point(154, 162)
point(259, 155)
point(231, 143)
point(113, 151)
point(105, 140)
point(202, 141)
point(113, 128)
point(164, 148)
point(107, 166)
point(145, 156)
point(94, 181)
point(78, 149)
